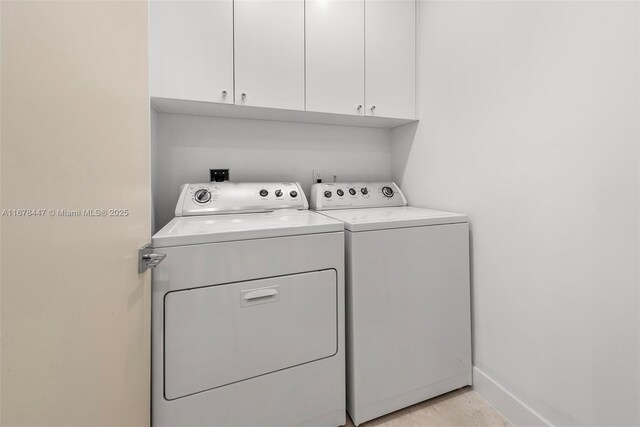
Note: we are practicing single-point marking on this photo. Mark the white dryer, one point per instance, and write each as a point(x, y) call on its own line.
point(247, 310)
point(408, 297)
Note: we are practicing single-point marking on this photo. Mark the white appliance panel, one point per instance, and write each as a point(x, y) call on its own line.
point(409, 317)
point(219, 335)
point(239, 197)
point(313, 393)
point(221, 228)
point(394, 217)
point(349, 195)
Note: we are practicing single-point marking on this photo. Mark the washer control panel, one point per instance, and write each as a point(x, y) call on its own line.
point(352, 195)
point(213, 198)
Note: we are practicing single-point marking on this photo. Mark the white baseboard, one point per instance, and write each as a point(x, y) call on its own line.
point(505, 402)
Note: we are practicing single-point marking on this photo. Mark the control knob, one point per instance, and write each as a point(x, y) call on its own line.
point(278, 193)
point(202, 196)
point(264, 193)
point(387, 191)
point(364, 191)
point(327, 194)
point(340, 192)
point(293, 193)
point(352, 191)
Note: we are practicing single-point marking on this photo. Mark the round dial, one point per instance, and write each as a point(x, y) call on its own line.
point(387, 191)
point(264, 193)
point(202, 196)
point(364, 191)
point(352, 191)
point(340, 193)
point(278, 193)
point(327, 194)
point(293, 193)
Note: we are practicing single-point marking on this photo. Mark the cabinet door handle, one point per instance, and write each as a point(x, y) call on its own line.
point(224, 93)
point(373, 108)
point(359, 107)
point(244, 95)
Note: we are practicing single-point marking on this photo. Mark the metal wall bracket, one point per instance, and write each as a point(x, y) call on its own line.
point(148, 258)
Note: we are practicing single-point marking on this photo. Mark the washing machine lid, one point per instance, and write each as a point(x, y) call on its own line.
point(192, 230)
point(393, 217)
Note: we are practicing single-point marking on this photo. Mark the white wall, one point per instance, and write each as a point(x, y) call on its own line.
point(530, 123)
point(257, 150)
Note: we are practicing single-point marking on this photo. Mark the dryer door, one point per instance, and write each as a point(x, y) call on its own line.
point(219, 335)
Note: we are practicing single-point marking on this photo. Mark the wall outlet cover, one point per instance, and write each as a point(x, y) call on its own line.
point(218, 175)
point(318, 176)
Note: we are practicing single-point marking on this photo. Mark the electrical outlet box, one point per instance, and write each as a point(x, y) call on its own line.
point(218, 175)
point(318, 176)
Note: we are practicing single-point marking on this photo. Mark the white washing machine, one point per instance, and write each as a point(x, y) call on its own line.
point(408, 297)
point(248, 310)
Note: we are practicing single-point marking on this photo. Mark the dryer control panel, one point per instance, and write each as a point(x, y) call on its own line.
point(213, 198)
point(353, 195)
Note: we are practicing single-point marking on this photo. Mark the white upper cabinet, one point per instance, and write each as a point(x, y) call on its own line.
point(191, 50)
point(269, 53)
point(335, 56)
point(390, 58)
point(324, 61)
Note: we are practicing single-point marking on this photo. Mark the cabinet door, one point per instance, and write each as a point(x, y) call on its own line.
point(335, 56)
point(390, 58)
point(269, 53)
point(191, 50)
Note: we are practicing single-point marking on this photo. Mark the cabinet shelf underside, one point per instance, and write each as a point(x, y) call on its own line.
point(199, 108)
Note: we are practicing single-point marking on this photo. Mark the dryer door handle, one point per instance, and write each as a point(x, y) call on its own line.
point(260, 293)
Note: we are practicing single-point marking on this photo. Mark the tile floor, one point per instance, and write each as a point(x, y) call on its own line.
point(460, 408)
